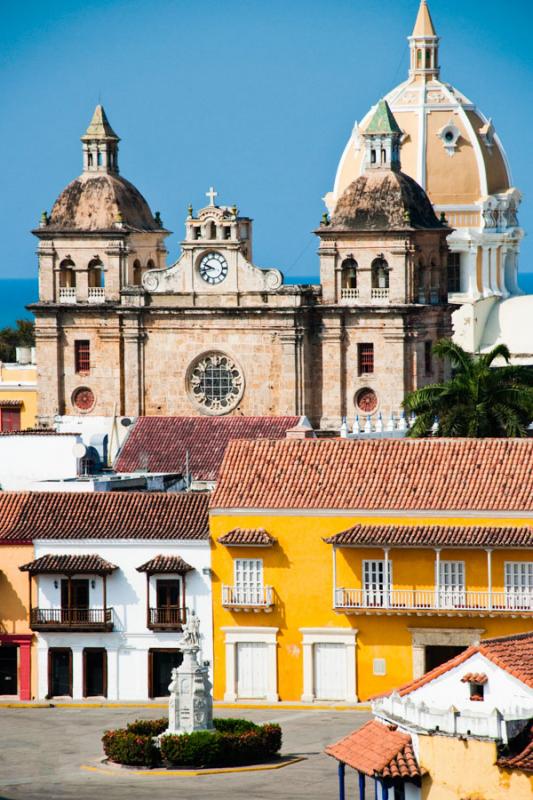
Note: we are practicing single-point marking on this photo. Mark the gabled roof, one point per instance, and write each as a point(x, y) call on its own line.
point(433, 536)
point(161, 444)
point(383, 120)
point(28, 516)
point(257, 537)
point(377, 750)
point(514, 654)
point(523, 760)
point(69, 565)
point(388, 474)
point(165, 564)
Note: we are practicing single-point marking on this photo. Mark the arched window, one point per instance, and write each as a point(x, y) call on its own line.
point(90, 159)
point(428, 59)
point(96, 274)
point(383, 156)
point(67, 275)
point(380, 274)
point(212, 231)
point(372, 156)
point(349, 273)
point(137, 272)
point(419, 58)
point(99, 159)
point(150, 264)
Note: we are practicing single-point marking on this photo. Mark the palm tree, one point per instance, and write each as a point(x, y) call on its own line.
point(479, 400)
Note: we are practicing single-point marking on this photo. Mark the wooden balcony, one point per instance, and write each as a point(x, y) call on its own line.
point(71, 619)
point(168, 618)
point(435, 602)
point(239, 599)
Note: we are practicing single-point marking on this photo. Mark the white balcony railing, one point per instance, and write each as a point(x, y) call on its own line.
point(96, 294)
point(349, 294)
point(261, 597)
point(433, 600)
point(67, 294)
point(377, 295)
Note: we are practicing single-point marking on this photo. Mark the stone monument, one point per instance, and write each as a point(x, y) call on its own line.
point(190, 705)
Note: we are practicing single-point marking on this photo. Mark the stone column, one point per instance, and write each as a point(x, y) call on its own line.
point(77, 672)
point(132, 366)
point(291, 389)
point(51, 399)
point(333, 378)
point(48, 273)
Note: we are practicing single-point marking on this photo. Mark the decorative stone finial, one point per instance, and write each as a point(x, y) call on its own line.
point(443, 219)
point(45, 219)
point(190, 211)
point(158, 220)
point(325, 218)
point(407, 216)
point(234, 210)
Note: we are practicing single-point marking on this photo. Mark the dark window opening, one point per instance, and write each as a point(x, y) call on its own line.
point(365, 359)
point(454, 272)
point(380, 274)
point(94, 672)
point(477, 691)
point(8, 669)
point(82, 356)
point(349, 274)
point(160, 665)
point(428, 358)
point(383, 156)
point(90, 159)
point(372, 156)
point(137, 273)
point(227, 232)
point(59, 672)
point(439, 654)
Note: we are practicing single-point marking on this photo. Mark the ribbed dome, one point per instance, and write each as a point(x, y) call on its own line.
point(95, 202)
point(384, 200)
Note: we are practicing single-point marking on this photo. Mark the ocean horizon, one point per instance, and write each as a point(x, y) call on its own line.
point(17, 293)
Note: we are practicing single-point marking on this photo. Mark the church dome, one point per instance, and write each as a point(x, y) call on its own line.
point(96, 202)
point(448, 146)
point(384, 200)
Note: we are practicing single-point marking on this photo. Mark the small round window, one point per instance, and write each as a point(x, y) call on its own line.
point(366, 400)
point(83, 399)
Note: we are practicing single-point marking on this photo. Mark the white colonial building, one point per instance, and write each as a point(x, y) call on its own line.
point(113, 580)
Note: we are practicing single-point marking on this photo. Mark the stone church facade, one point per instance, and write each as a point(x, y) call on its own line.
point(119, 332)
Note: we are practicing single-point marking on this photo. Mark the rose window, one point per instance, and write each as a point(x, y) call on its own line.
point(83, 399)
point(215, 383)
point(366, 401)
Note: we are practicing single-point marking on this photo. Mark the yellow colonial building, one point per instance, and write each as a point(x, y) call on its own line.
point(344, 568)
point(18, 396)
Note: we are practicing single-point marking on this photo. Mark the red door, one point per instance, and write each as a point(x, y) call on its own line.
point(9, 419)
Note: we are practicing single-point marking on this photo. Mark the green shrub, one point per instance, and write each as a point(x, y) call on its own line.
point(198, 749)
point(255, 744)
point(148, 727)
point(230, 725)
point(129, 748)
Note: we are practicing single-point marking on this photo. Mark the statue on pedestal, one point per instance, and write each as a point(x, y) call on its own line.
point(190, 705)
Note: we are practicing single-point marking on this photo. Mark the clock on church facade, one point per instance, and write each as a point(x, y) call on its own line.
point(119, 331)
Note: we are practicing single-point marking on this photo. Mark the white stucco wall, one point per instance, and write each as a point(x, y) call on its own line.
point(128, 644)
point(25, 459)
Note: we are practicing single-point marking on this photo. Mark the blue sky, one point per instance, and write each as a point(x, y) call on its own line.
point(257, 98)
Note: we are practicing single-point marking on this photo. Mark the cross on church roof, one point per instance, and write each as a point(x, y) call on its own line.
point(211, 194)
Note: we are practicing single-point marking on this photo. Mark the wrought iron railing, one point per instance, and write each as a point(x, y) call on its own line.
point(433, 599)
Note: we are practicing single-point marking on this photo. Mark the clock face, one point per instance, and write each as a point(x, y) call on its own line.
point(213, 268)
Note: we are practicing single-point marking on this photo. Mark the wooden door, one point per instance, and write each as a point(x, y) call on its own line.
point(60, 672)
point(330, 671)
point(94, 672)
point(8, 669)
point(251, 670)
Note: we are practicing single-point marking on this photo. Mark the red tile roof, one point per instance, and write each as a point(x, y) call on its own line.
point(421, 474)
point(25, 516)
point(474, 677)
point(248, 536)
point(522, 760)
point(68, 564)
point(164, 564)
point(161, 444)
point(514, 654)
point(11, 403)
point(378, 750)
point(433, 536)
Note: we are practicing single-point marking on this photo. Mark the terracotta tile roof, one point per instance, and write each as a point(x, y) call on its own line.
point(433, 535)
point(474, 677)
point(522, 760)
point(432, 474)
point(161, 444)
point(514, 654)
point(377, 750)
point(160, 564)
point(248, 536)
point(65, 564)
point(11, 403)
point(25, 516)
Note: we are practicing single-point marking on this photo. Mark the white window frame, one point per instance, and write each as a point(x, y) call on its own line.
point(518, 596)
point(248, 581)
point(265, 635)
point(453, 595)
point(376, 594)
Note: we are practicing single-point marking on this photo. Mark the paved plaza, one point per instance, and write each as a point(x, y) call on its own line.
point(42, 751)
